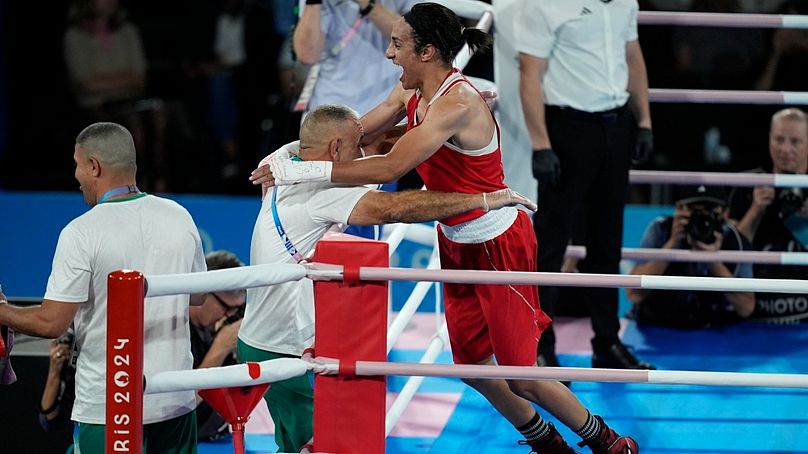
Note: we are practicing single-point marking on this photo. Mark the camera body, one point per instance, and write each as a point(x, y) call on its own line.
point(789, 201)
point(236, 316)
point(67, 338)
point(703, 225)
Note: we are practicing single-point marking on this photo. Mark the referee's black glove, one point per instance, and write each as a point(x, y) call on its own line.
point(546, 167)
point(645, 147)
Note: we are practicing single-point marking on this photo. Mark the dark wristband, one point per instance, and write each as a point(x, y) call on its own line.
point(50, 409)
point(366, 10)
point(314, 2)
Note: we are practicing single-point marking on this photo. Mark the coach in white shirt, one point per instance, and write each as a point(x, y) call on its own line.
point(584, 93)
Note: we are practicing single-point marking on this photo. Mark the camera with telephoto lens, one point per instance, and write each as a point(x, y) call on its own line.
point(703, 225)
point(789, 201)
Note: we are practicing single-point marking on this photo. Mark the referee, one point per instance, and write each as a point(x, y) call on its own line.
point(584, 93)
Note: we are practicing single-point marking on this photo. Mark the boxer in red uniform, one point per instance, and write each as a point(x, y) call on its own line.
point(452, 140)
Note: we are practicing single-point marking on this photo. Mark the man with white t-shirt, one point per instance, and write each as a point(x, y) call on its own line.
point(124, 228)
point(279, 321)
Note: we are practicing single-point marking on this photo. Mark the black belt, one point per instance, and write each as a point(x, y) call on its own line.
point(606, 117)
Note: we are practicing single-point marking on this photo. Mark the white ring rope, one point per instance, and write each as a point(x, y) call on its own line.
point(686, 255)
point(371, 368)
point(226, 376)
point(722, 19)
point(716, 284)
point(682, 95)
point(464, 55)
point(285, 368)
point(718, 179)
point(247, 276)
point(226, 279)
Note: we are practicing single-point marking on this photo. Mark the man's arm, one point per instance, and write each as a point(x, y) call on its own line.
point(308, 39)
point(742, 302)
point(762, 197)
point(531, 73)
point(378, 207)
point(50, 320)
point(381, 17)
point(638, 84)
point(223, 344)
point(651, 238)
point(386, 115)
point(446, 118)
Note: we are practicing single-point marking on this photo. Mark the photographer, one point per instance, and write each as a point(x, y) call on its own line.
point(698, 224)
point(59, 393)
point(776, 219)
point(214, 331)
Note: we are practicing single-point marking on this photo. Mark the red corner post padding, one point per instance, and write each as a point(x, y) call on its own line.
point(350, 325)
point(124, 413)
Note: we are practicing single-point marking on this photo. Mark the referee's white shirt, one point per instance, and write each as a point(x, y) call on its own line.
point(584, 42)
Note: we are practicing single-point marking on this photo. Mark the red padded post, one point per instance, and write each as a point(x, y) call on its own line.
point(350, 325)
point(124, 412)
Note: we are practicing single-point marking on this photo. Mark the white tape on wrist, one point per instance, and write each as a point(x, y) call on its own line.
point(286, 171)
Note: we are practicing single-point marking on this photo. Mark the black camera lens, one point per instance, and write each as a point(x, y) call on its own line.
point(789, 201)
point(702, 226)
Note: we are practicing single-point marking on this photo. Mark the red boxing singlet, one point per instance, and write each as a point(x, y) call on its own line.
point(452, 169)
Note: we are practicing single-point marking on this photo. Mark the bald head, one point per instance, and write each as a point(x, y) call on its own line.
point(329, 129)
point(111, 144)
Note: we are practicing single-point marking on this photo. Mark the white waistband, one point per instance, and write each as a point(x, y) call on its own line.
point(484, 228)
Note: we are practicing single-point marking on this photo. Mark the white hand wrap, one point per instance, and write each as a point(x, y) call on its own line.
point(285, 151)
point(286, 171)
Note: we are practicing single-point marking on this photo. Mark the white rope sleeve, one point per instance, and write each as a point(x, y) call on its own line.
point(220, 280)
point(225, 377)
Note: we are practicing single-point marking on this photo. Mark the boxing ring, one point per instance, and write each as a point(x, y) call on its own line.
point(351, 286)
point(351, 362)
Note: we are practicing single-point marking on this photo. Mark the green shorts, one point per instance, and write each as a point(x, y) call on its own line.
point(173, 436)
point(290, 402)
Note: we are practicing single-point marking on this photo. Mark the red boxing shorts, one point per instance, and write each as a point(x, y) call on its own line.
point(501, 320)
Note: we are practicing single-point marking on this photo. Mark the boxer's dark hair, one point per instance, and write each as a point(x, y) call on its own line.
point(436, 24)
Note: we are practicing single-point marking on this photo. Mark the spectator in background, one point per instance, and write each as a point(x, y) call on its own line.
point(225, 74)
point(291, 72)
point(785, 68)
point(347, 40)
point(733, 58)
point(214, 331)
point(59, 392)
point(698, 224)
point(584, 93)
point(776, 219)
point(107, 69)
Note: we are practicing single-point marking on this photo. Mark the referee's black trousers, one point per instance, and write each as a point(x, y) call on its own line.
point(595, 153)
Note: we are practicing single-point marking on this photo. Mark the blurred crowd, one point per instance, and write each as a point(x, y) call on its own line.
point(208, 87)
